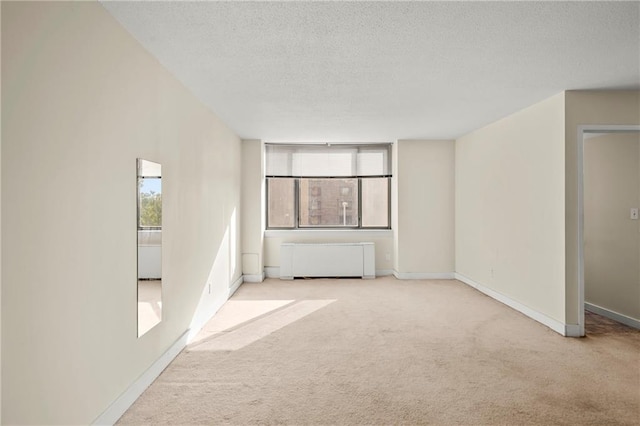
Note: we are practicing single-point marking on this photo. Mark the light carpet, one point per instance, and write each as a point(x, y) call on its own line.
point(385, 351)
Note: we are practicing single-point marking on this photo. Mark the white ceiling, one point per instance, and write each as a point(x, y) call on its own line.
point(381, 71)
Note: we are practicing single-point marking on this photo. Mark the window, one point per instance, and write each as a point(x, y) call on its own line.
point(328, 202)
point(281, 211)
point(375, 202)
point(322, 186)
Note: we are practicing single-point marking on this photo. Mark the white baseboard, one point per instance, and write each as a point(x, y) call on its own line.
point(557, 326)
point(236, 285)
point(272, 271)
point(111, 415)
point(424, 275)
point(254, 278)
point(616, 316)
point(572, 330)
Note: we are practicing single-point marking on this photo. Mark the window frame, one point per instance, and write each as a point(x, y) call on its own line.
point(287, 167)
point(296, 203)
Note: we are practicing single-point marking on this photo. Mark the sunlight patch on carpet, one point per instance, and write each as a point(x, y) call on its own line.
point(236, 312)
point(262, 327)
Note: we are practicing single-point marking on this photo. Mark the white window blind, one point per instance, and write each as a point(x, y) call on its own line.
point(149, 169)
point(328, 161)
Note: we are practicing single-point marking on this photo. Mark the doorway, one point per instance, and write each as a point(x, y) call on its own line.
point(609, 228)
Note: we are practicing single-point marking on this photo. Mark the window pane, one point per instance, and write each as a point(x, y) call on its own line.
point(281, 203)
point(375, 202)
point(278, 160)
point(373, 162)
point(328, 202)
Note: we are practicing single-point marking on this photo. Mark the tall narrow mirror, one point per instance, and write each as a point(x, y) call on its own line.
point(149, 221)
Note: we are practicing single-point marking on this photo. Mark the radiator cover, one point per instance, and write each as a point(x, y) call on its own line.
point(327, 260)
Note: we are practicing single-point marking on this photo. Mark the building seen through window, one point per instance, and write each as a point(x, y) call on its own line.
point(328, 202)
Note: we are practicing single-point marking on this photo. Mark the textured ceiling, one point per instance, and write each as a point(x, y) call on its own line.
point(381, 71)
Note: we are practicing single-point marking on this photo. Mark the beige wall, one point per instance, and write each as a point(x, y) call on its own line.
point(252, 216)
point(611, 237)
point(509, 213)
point(424, 210)
point(587, 108)
point(81, 101)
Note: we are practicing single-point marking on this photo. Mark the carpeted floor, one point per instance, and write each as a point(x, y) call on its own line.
point(597, 324)
point(385, 351)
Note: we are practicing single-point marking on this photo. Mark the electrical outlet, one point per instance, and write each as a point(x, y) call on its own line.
point(634, 214)
point(387, 257)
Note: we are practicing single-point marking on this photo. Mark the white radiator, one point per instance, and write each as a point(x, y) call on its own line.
point(327, 260)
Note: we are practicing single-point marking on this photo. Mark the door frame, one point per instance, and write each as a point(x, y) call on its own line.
point(582, 130)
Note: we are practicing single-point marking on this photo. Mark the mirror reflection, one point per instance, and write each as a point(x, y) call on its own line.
point(149, 220)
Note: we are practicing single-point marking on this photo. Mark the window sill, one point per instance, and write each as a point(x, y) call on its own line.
point(329, 233)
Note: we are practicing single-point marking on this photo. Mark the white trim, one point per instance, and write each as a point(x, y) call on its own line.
point(331, 142)
point(609, 128)
point(111, 415)
point(272, 271)
point(580, 230)
point(424, 275)
point(354, 234)
point(254, 278)
point(572, 330)
point(236, 285)
point(596, 128)
point(553, 324)
point(616, 316)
